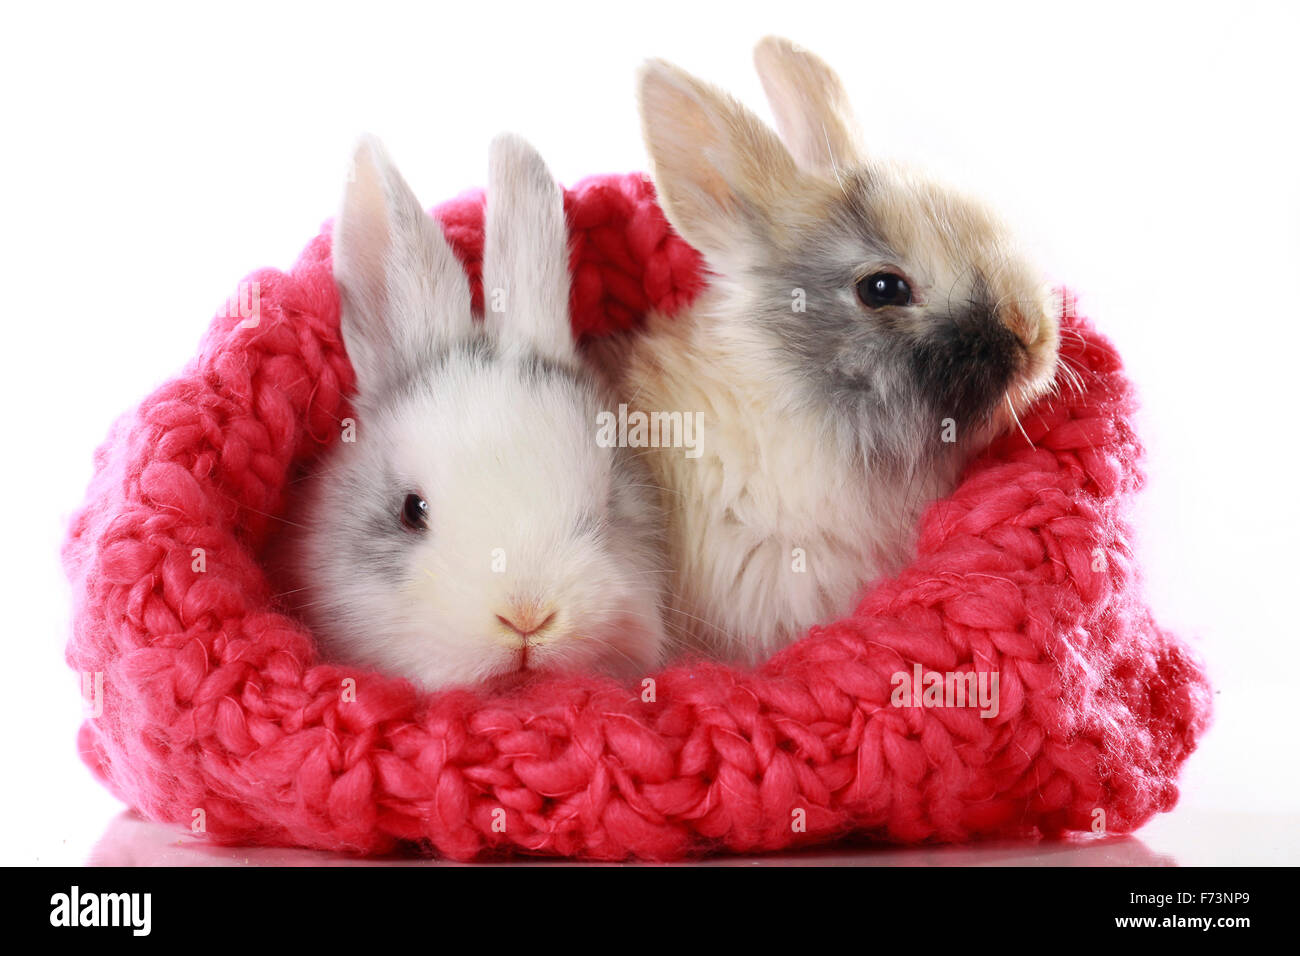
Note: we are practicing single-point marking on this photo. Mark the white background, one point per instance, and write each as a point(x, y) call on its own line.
point(154, 156)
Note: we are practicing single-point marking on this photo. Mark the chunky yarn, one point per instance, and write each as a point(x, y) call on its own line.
point(213, 701)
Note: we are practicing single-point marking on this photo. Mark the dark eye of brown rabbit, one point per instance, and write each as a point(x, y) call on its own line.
point(881, 289)
point(415, 513)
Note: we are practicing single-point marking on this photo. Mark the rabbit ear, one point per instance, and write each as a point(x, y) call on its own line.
point(811, 108)
point(526, 253)
point(722, 175)
point(402, 290)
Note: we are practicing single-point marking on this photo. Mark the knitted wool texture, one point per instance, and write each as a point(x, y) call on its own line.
point(214, 701)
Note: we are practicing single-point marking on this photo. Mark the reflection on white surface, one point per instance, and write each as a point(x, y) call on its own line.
point(132, 841)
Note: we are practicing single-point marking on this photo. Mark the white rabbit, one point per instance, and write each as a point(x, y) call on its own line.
point(864, 332)
point(475, 527)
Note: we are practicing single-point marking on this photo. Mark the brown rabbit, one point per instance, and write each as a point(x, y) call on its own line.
point(865, 332)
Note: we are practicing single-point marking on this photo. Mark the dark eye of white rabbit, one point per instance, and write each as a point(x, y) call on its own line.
point(415, 513)
point(881, 289)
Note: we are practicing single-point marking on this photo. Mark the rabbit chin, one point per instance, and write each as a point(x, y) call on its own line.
point(626, 646)
point(1037, 378)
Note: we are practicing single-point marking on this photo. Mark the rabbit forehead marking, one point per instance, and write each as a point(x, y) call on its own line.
point(522, 426)
point(868, 217)
point(362, 503)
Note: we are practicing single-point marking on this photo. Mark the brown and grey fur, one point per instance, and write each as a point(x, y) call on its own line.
point(824, 428)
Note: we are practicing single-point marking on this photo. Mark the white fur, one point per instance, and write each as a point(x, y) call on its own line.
point(525, 253)
point(527, 511)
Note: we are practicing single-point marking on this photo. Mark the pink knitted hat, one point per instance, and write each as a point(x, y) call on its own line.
point(213, 701)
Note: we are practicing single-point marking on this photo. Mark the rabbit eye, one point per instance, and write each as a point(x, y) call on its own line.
point(884, 288)
point(415, 513)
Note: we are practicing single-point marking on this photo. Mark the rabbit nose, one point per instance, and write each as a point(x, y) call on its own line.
point(1021, 324)
point(1029, 325)
point(527, 620)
